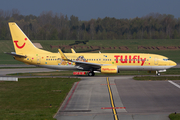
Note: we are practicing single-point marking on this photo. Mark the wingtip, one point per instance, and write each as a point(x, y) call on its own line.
point(11, 23)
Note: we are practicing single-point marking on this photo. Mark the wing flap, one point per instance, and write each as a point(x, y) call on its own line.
point(87, 63)
point(80, 63)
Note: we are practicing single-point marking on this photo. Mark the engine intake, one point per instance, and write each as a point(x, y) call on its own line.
point(109, 69)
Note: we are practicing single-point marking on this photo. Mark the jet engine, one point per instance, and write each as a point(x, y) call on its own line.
point(109, 69)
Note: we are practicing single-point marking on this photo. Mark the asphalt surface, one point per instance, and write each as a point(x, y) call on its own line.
point(138, 100)
point(3, 72)
point(90, 100)
point(148, 96)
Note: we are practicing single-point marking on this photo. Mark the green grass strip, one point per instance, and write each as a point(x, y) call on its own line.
point(33, 98)
point(174, 116)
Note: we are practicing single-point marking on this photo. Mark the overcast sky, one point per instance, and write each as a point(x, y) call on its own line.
point(88, 9)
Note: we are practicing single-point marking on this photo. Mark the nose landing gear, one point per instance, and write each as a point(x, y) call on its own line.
point(158, 73)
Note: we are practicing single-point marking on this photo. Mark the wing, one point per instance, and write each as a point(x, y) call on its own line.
point(81, 64)
point(87, 65)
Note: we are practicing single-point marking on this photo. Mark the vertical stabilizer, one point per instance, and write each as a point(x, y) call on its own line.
point(22, 44)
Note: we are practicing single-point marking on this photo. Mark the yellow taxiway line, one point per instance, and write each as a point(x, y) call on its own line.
point(112, 101)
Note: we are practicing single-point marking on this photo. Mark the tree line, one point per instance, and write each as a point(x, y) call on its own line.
point(57, 26)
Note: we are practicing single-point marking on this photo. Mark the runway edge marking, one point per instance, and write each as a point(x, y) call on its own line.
point(70, 96)
point(112, 101)
point(174, 83)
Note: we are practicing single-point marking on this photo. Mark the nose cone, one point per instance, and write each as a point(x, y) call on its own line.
point(172, 63)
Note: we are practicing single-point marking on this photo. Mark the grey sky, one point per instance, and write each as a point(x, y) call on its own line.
point(88, 9)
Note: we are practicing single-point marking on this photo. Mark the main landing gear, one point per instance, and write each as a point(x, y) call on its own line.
point(91, 73)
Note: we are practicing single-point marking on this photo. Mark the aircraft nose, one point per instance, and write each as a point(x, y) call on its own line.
point(172, 63)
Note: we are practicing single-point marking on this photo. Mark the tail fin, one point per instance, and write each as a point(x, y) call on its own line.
point(22, 44)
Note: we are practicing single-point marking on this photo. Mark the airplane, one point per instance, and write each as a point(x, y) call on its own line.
point(26, 52)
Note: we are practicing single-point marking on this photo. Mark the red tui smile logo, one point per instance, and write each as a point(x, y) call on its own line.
point(20, 47)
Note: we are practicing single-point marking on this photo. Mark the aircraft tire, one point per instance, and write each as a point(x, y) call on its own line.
point(91, 74)
point(158, 74)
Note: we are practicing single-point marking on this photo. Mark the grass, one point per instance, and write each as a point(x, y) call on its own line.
point(30, 98)
point(174, 116)
point(132, 44)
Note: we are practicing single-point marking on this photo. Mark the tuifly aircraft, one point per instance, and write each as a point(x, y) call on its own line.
point(26, 52)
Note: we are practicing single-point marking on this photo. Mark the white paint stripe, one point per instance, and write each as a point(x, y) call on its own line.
point(174, 83)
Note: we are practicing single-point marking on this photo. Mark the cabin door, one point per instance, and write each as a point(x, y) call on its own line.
point(38, 59)
point(156, 60)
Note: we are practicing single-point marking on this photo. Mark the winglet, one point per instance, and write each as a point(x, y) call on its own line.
point(63, 56)
point(73, 51)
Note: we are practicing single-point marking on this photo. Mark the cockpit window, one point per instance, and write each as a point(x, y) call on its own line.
point(165, 59)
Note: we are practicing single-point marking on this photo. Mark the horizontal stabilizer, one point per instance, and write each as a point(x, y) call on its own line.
point(14, 54)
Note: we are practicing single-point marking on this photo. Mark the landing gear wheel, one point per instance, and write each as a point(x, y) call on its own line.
point(91, 73)
point(158, 74)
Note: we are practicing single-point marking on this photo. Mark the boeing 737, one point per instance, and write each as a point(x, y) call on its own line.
point(26, 52)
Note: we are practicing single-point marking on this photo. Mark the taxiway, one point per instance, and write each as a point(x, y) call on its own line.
point(134, 100)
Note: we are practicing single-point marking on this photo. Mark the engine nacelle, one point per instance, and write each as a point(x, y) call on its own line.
point(109, 69)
